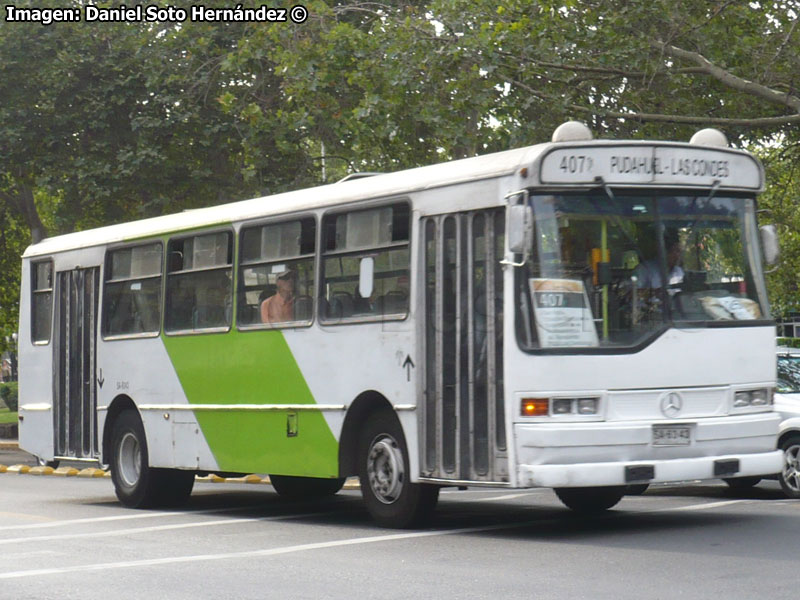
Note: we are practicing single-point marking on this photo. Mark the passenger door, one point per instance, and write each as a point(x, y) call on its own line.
point(75, 349)
point(463, 433)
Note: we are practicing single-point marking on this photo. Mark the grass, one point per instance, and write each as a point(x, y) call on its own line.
point(7, 416)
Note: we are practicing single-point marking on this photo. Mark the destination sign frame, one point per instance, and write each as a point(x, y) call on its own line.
point(648, 164)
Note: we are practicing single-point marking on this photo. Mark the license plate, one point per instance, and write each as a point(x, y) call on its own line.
point(672, 435)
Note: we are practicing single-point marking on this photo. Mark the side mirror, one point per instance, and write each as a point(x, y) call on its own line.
point(366, 276)
point(520, 228)
point(769, 243)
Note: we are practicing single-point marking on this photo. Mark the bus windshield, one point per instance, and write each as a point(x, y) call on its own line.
point(615, 271)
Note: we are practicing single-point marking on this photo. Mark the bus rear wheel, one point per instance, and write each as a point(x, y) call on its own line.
point(383, 468)
point(136, 484)
point(298, 488)
point(590, 500)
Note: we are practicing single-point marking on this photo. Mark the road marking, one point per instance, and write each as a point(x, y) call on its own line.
point(172, 560)
point(496, 498)
point(147, 515)
point(704, 506)
point(135, 530)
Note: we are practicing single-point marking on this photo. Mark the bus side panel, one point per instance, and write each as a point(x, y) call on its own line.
point(140, 369)
point(35, 381)
point(340, 362)
point(254, 368)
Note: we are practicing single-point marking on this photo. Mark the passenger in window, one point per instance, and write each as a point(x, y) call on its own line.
point(279, 308)
point(648, 273)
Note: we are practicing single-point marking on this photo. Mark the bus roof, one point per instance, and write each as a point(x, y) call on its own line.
point(623, 163)
point(378, 186)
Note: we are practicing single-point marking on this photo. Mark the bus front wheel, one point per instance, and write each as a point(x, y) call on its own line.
point(588, 500)
point(383, 468)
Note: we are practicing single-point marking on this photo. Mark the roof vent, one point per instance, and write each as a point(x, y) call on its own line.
point(709, 137)
point(359, 175)
point(572, 131)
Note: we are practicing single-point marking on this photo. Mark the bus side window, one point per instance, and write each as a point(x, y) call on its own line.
point(381, 234)
point(41, 301)
point(132, 290)
point(276, 274)
point(199, 283)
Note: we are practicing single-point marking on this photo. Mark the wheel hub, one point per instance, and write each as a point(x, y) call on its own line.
point(129, 459)
point(385, 469)
point(791, 467)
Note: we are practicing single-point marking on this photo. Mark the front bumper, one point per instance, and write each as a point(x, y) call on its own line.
point(608, 453)
point(683, 469)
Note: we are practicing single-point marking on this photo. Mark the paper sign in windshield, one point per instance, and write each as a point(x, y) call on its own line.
point(562, 313)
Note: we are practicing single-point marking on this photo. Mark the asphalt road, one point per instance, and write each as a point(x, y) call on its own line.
point(65, 538)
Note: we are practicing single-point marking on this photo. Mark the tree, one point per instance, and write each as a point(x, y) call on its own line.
point(115, 121)
point(779, 206)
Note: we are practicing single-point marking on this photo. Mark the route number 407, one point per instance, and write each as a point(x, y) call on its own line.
point(576, 164)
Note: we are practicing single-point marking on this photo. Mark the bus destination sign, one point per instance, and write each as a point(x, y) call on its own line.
point(650, 165)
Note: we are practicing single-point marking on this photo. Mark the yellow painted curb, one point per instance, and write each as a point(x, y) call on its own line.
point(213, 478)
point(66, 471)
point(107, 474)
point(90, 472)
point(252, 479)
point(41, 470)
point(19, 469)
point(3, 468)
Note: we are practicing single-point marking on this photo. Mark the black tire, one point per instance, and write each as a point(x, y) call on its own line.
point(175, 486)
point(136, 484)
point(789, 477)
point(590, 500)
point(298, 488)
point(46, 463)
point(391, 499)
point(636, 489)
point(741, 483)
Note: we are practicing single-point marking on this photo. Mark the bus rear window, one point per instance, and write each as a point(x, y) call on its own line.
point(41, 301)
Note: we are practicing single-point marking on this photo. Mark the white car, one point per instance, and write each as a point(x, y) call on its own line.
point(787, 403)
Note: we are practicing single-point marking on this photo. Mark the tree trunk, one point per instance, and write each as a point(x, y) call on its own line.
point(27, 208)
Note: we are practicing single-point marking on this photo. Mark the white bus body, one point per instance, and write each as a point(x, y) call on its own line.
point(421, 351)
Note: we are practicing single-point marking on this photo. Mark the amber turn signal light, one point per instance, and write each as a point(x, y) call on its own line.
point(535, 407)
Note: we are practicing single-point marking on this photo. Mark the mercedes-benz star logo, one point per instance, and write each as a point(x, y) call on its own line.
point(671, 404)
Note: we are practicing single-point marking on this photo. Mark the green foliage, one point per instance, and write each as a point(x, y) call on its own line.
point(789, 342)
point(102, 123)
point(9, 393)
point(779, 206)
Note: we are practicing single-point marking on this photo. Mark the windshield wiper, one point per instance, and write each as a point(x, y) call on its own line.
point(616, 218)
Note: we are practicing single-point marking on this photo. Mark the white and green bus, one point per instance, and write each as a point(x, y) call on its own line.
point(583, 315)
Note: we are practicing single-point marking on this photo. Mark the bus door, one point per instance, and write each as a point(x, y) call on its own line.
point(463, 433)
point(74, 385)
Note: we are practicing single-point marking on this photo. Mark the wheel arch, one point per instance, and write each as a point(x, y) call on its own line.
point(118, 404)
point(787, 430)
point(361, 408)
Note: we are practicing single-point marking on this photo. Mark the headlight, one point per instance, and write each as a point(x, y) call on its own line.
point(756, 398)
point(587, 406)
point(555, 407)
